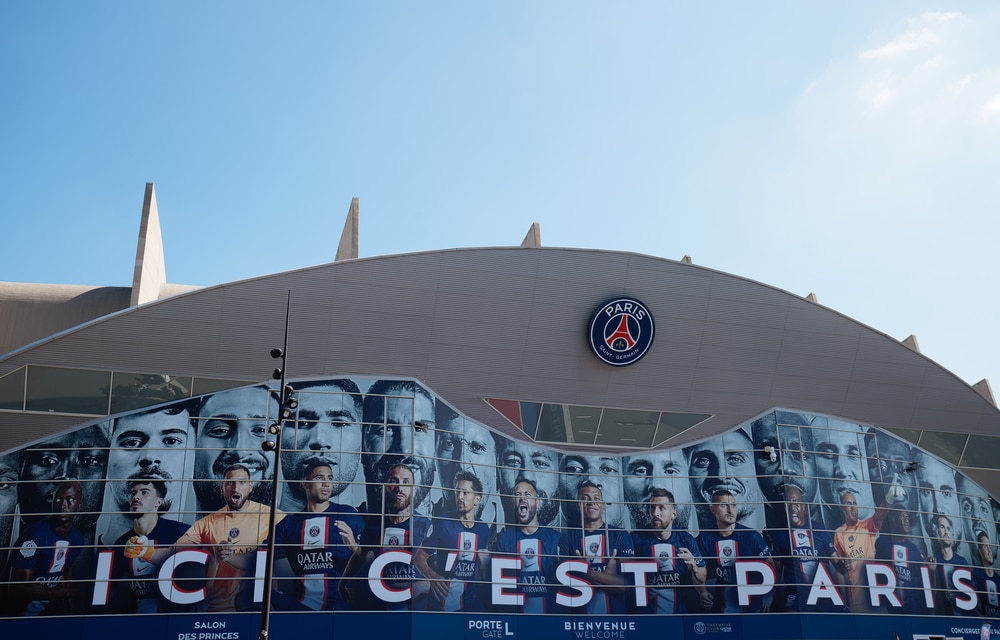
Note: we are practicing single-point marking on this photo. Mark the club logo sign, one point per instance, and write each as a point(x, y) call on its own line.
point(621, 331)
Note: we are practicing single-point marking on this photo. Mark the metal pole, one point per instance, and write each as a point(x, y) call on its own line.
point(275, 446)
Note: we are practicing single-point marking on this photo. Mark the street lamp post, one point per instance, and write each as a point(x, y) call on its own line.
point(286, 408)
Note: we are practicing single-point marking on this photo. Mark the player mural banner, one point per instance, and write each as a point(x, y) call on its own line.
point(391, 502)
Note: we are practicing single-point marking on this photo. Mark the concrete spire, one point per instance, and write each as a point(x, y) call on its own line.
point(911, 342)
point(348, 247)
point(533, 237)
point(983, 388)
point(150, 271)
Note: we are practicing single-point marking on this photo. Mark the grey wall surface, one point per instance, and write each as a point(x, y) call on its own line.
point(512, 323)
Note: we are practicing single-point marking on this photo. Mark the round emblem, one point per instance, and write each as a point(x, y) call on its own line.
point(393, 541)
point(700, 628)
point(621, 331)
point(467, 545)
point(234, 533)
point(594, 547)
point(314, 531)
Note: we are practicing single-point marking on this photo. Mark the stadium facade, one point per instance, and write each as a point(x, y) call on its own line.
point(485, 443)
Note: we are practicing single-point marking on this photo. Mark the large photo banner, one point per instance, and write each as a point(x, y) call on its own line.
point(391, 501)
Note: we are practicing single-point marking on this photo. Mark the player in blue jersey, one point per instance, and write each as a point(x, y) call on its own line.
point(134, 569)
point(534, 546)
point(312, 548)
point(397, 530)
point(44, 556)
point(722, 547)
point(986, 579)
point(946, 560)
point(800, 551)
point(454, 550)
point(602, 546)
point(679, 564)
point(906, 560)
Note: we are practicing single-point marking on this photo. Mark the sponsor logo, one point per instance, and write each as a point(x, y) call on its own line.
point(234, 533)
point(621, 331)
point(700, 628)
point(314, 531)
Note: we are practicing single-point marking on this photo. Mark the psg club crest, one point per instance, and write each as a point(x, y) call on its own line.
point(621, 331)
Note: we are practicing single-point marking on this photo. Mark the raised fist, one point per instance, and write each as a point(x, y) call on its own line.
point(138, 547)
point(895, 492)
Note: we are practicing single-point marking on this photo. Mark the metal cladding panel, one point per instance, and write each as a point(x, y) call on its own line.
point(805, 343)
point(810, 316)
point(753, 361)
point(811, 390)
point(793, 363)
point(726, 332)
point(511, 323)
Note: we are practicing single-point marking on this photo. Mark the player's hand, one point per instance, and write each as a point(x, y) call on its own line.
point(347, 536)
point(439, 589)
point(138, 547)
point(685, 554)
point(707, 600)
point(895, 493)
point(224, 551)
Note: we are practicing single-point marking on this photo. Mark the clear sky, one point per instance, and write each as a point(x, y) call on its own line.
point(846, 149)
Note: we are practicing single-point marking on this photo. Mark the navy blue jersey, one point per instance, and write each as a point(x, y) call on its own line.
point(597, 547)
point(944, 596)
point(665, 586)
point(988, 592)
point(905, 558)
point(383, 536)
point(48, 555)
point(315, 549)
point(799, 554)
point(538, 553)
point(140, 575)
point(453, 553)
point(721, 553)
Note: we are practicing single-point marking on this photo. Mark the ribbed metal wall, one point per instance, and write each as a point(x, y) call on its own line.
point(511, 323)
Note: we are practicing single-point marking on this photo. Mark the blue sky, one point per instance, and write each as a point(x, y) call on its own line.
point(847, 150)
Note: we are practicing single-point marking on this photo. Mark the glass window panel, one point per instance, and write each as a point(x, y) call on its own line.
point(68, 390)
point(627, 428)
point(136, 390)
point(211, 385)
point(982, 452)
point(583, 422)
point(947, 446)
point(552, 423)
point(910, 435)
point(673, 423)
point(530, 412)
point(12, 390)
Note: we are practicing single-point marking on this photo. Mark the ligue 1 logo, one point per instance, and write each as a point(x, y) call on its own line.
point(621, 331)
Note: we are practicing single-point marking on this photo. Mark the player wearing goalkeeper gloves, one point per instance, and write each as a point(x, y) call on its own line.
point(134, 569)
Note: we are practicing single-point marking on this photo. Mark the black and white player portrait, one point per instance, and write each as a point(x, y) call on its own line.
point(326, 428)
point(399, 427)
point(230, 428)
